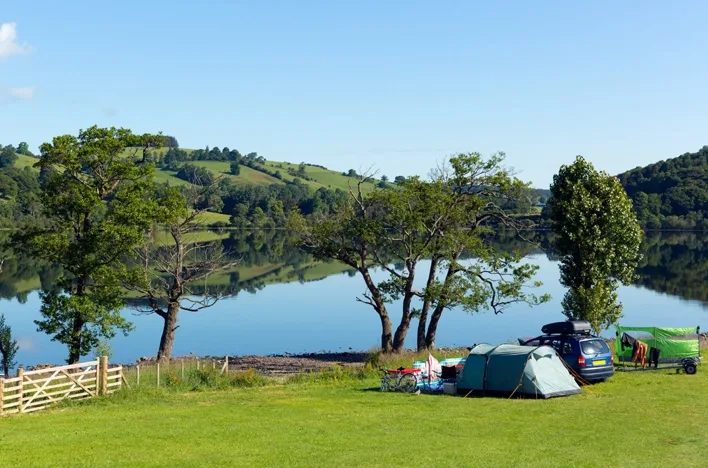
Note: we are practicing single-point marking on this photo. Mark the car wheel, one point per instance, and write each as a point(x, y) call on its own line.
point(690, 369)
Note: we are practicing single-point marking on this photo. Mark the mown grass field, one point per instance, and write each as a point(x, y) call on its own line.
point(635, 419)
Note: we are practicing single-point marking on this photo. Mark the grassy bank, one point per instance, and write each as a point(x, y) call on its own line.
point(635, 419)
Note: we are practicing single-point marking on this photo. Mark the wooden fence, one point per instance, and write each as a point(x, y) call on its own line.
point(35, 390)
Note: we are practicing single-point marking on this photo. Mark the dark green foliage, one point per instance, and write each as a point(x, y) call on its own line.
point(173, 159)
point(23, 148)
point(98, 206)
point(8, 156)
point(235, 168)
point(196, 175)
point(597, 238)
point(8, 348)
point(671, 194)
point(170, 141)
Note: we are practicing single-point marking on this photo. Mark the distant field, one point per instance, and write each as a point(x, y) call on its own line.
point(25, 161)
point(247, 175)
point(321, 177)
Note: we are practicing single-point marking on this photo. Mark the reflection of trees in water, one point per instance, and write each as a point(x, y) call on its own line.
point(21, 275)
point(673, 263)
point(265, 257)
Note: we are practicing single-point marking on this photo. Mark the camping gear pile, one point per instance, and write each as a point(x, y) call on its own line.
point(660, 347)
point(428, 376)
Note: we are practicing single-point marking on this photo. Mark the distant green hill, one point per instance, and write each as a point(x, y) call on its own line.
point(25, 161)
point(671, 194)
point(262, 173)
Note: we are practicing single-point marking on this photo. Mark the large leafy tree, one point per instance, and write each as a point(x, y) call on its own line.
point(444, 220)
point(597, 238)
point(97, 200)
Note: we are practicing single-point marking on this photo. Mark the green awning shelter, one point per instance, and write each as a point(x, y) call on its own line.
point(674, 343)
point(536, 372)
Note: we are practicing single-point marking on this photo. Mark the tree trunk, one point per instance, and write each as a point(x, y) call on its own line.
point(379, 307)
point(167, 341)
point(77, 327)
point(452, 270)
point(386, 333)
point(433, 327)
point(400, 337)
point(75, 345)
point(423, 320)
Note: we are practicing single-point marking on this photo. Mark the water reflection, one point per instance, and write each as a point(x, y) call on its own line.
point(281, 315)
point(673, 263)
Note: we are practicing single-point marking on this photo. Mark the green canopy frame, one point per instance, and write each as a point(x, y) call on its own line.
point(675, 344)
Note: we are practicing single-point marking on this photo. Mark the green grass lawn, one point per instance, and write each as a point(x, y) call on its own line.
point(640, 419)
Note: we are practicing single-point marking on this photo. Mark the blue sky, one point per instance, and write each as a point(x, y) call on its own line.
point(398, 85)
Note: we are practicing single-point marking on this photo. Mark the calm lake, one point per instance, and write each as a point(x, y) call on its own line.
point(279, 301)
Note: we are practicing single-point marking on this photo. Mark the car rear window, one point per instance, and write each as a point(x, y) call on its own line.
point(594, 347)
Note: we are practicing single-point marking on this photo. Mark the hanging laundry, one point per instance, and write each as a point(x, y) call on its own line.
point(639, 353)
point(654, 354)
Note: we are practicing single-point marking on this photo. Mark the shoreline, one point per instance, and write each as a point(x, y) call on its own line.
point(274, 365)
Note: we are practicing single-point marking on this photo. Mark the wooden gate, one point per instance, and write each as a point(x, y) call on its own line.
point(36, 390)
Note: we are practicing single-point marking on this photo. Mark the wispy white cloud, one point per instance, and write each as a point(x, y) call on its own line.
point(8, 42)
point(8, 95)
point(23, 94)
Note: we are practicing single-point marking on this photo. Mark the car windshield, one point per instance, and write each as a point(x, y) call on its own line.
point(594, 347)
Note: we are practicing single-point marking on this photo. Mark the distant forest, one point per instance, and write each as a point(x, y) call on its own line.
point(671, 194)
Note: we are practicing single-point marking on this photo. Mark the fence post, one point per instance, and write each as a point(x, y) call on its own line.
point(226, 365)
point(20, 390)
point(2, 392)
point(213, 365)
point(104, 375)
point(97, 390)
point(197, 363)
point(182, 369)
point(158, 373)
point(137, 375)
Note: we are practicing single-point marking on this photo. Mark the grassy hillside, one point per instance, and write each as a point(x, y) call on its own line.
point(25, 161)
point(635, 419)
point(246, 176)
point(320, 177)
point(671, 193)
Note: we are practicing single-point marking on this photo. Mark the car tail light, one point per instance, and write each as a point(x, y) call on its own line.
point(612, 359)
point(581, 361)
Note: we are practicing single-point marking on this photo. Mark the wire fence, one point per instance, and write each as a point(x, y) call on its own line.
point(187, 372)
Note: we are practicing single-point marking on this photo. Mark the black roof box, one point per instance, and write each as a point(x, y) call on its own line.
point(570, 327)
